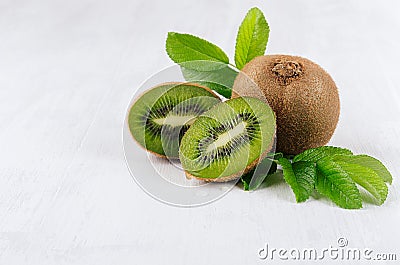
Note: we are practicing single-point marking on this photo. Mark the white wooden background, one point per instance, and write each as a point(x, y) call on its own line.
point(68, 70)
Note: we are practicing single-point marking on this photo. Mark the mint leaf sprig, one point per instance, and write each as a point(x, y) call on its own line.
point(205, 63)
point(333, 172)
point(337, 174)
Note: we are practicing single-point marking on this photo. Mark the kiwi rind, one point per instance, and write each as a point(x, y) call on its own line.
point(228, 161)
point(302, 94)
point(176, 94)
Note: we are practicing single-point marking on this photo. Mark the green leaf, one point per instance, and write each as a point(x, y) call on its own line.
point(369, 162)
point(253, 179)
point(219, 79)
point(252, 37)
point(300, 176)
point(337, 185)
point(315, 154)
point(367, 178)
point(276, 156)
point(185, 47)
point(245, 179)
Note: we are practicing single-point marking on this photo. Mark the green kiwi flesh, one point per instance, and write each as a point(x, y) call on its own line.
point(228, 140)
point(159, 118)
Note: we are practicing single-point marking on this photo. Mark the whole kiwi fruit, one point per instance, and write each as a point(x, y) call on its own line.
point(228, 140)
point(303, 96)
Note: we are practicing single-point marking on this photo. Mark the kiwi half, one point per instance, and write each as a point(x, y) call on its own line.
point(159, 118)
point(301, 93)
point(228, 140)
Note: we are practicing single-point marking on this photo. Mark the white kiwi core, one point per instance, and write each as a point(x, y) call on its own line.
point(227, 136)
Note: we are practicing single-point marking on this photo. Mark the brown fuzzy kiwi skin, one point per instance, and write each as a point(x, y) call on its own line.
point(140, 95)
point(303, 96)
point(237, 175)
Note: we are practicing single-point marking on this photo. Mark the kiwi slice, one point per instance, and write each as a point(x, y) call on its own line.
point(159, 118)
point(228, 140)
